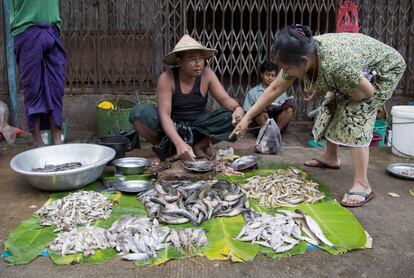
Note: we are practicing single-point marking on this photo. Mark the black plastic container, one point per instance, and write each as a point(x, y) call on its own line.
point(119, 143)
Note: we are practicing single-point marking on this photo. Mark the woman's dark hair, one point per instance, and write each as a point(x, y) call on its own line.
point(291, 43)
point(267, 66)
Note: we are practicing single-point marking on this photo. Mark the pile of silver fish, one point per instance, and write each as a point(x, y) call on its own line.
point(282, 231)
point(178, 202)
point(80, 240)
point(188, 240)
point(279, 232)
point(138, 238)
point(283, 188)
point(58, 167)
point(78, 208)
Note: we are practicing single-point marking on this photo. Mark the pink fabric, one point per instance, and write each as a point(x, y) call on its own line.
point(347, 20)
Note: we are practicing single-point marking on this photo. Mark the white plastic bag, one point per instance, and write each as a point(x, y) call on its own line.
point(8, 132)
point(269, 140)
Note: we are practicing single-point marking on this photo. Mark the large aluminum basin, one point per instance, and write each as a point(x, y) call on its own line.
point(93, 158)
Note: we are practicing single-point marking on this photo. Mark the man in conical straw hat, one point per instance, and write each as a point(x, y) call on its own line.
point(180, 118)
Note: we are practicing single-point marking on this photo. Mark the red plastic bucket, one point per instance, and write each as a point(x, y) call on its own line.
point(376, 139)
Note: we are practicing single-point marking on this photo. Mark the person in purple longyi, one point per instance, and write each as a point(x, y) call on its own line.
point(41, 61)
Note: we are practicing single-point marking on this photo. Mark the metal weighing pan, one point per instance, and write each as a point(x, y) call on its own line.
point(199, 165)
point(402, 170)
point(245, 162)
point(133, 186)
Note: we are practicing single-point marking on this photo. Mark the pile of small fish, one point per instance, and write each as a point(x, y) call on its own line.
point(284, 188)
point(78, 208)
point(282, 231)
point(188, 240)
point(142, 237)
point(178, 202)
point(81, 239)
point(58, 167)
point(138, 238)
point(223, 167)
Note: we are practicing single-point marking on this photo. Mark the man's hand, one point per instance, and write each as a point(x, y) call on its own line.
point(185, 151)
point(237, 115)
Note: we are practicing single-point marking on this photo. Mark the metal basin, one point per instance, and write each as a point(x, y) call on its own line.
point(245, 162)
point(133, 186)
point(131, 165)
point(92, 157)
point(402, 170)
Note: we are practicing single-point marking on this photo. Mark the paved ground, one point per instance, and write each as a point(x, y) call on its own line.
point(389, 220)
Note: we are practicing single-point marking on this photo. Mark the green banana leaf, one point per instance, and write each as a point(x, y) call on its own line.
point(27, 241)
point(338, 224)
point(164, 256)
point(101, 256)
point(128, 204)
point(222, 244)
point(298, 249)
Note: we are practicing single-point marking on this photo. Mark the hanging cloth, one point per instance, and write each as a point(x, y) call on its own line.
point(347, 20)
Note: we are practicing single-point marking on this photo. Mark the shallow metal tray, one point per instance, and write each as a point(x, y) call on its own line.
point(133, 186)
point(245, 162)
point(199, 165)
point(402, 170)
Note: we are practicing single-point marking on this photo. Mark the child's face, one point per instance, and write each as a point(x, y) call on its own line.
point(267, 77)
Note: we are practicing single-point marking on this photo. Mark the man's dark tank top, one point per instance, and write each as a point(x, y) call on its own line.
point(187, 107)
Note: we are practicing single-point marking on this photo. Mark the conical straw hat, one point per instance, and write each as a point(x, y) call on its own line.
point(184, 44)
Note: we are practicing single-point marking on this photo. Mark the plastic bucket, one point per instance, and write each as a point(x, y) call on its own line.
point(403, 130)
point(381, 128)
point(376, 139)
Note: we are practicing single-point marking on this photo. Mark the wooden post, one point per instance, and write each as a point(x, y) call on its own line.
point(11, 64)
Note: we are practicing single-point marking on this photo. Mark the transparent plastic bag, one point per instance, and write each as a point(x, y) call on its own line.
point(269, 140)
point(8, 132)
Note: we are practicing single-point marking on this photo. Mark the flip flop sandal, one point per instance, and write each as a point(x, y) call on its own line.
point(321, 164)
point(367, 196)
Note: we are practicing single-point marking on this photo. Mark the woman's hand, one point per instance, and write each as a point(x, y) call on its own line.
point(241, 127)
point(237, 115)
point(185, 151)
point(313, 94)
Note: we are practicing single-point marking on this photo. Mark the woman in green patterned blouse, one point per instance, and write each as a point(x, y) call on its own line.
point(356, 74)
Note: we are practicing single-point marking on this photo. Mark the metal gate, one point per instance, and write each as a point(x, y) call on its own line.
point(117, 46)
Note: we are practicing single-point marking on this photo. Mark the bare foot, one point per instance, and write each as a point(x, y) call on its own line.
point(200, 153)
point(155, 161)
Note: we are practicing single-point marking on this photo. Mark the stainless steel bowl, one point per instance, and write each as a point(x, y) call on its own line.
point(133, 186)
point(245, 162)
point(131, 165)
point(93, 158)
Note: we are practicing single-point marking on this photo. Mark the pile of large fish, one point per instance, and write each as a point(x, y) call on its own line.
point(178, 202)
point(139, 238)
point(78, 208)
point(282, 231)
point(80, 240)
point(284, 188)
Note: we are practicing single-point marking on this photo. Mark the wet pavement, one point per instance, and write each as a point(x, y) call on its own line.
point(388, 220)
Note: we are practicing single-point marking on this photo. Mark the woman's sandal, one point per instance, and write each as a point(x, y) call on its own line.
point(367, 196)
point(321, 164)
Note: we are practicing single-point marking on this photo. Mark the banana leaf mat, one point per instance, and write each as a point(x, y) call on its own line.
point(30, 240)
